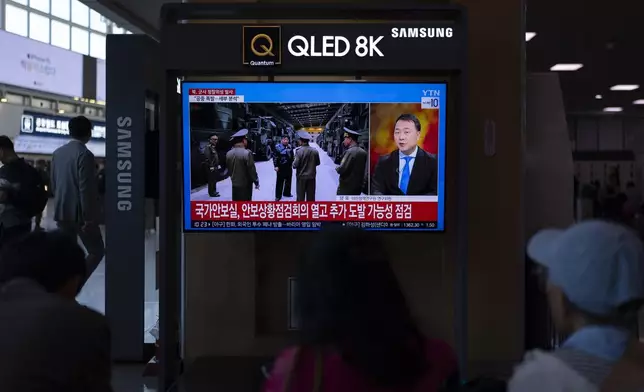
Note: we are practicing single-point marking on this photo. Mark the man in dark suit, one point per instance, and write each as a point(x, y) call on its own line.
point(408, 170)
point(48, 342)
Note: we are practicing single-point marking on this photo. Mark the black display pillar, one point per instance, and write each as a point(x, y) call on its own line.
point(133, 75)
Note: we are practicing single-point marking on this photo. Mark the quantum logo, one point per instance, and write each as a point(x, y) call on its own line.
point(262, 46)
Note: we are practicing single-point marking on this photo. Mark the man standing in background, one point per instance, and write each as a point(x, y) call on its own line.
point(75, 189)
point(212, 158)
point(306, 162)
point(283, 162)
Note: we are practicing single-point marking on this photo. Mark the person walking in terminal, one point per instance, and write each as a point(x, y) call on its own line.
point(594, 280)
point(22, 193)
point(356, 331)
point(48, 342)
point(307, 159)
point(408, 170)
point(212, 158)
point(283, 162)
point(75, 189)
point(241, 166)
point(353, 165)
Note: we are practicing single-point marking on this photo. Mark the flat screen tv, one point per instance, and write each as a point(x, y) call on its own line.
point(295, 156)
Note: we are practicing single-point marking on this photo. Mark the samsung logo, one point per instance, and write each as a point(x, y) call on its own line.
point(422, 32)
point(124, 164)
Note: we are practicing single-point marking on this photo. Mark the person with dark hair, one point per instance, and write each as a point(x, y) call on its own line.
point(22, 193)
point(594, 277)
point(48, 342)
point(357, 333)
point(408, 170)
point(283, 165)
point(75, 188)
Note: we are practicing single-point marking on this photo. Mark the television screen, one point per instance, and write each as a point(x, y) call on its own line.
point(294, 156)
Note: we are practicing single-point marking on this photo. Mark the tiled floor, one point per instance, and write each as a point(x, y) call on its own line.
point(93, 294)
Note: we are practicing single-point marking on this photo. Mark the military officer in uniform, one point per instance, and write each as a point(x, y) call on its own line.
point(212, 158)
point(353, 165)
point(307, 159)
point(241, 166)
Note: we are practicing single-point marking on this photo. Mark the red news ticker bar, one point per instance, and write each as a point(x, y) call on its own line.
point(212, 91)
point(327, 211)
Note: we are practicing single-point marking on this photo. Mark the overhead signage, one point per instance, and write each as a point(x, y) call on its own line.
point(100, 80)
point(325, 47)
point(39, 124)
point(27, 144)
point(37, 66)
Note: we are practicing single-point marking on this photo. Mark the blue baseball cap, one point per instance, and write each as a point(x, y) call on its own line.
point(599, 265)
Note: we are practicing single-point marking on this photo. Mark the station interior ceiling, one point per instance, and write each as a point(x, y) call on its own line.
point(309, 114)
point(605, 37)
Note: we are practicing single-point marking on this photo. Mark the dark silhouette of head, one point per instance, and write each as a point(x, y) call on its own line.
point(350, 301)
point(52, 259)
point(80, 128)
point(7, 152)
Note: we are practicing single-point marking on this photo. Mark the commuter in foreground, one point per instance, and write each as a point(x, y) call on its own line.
point(75, 188)
point(48, 342)
point(595, 286)
point(357, 333)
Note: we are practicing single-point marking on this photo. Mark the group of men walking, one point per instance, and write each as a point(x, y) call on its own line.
point(304, 159)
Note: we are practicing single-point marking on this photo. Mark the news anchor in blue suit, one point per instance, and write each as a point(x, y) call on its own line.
point(408, 170)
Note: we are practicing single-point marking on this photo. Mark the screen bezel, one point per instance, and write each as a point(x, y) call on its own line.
point(442, 168)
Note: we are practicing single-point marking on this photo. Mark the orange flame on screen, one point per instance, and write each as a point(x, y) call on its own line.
point(383, 117)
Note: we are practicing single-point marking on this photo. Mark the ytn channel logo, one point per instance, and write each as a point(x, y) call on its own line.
point(262, 46)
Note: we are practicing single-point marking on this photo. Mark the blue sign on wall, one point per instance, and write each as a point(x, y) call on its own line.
point(39, 124)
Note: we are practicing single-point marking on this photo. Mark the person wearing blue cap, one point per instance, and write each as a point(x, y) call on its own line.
point(241, 165)
point(594, 275)
point(353, 165)
point(307, 159)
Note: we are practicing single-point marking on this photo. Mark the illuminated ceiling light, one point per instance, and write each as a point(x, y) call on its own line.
point(61, 111)
point(566, 67)
point(638, 102)
point(529, 36)
point(625, 87)
point(598, 96)
point(613, 110)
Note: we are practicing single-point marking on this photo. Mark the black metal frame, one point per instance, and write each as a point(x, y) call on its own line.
point(174, 18)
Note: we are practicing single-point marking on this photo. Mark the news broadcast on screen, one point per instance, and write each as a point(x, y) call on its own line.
point(294, 156)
